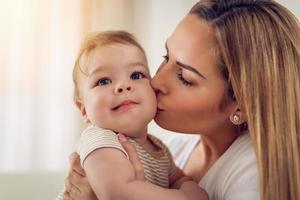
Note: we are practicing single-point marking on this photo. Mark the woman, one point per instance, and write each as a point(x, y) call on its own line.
point(231, 73)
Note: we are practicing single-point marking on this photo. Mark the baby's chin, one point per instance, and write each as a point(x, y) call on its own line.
point(132, 128)
point(132, 132)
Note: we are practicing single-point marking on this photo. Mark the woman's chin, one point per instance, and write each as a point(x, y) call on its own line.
point(165, 124)
point(174, 126)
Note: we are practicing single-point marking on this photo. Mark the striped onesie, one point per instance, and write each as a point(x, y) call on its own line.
point(158, 165)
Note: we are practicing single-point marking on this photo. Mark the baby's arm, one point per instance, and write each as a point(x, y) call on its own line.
point(177, 178)
point(112, 176)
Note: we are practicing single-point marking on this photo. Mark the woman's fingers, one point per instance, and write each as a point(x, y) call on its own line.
point(75, 179)
point(76, 184)
point(72, 192)
point(74, 161)
point(133, 157)
point(78, 187)
point(67, 196)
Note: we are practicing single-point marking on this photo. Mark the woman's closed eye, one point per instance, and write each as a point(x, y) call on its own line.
point(104, 81)
point(182, 79)
point(137, 75)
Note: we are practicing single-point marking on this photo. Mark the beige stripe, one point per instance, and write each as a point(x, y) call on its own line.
point(94, 138)
point(157, 165)
point(156, 170)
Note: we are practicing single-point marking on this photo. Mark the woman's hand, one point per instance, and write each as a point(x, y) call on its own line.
point(77, 185)
point(133, 157)
point(190, 188)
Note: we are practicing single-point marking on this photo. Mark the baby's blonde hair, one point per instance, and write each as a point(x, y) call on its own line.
point(93, 41)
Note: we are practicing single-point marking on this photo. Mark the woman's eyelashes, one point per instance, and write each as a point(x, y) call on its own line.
point(179, 73)
point(182, 79)
point(166, 58)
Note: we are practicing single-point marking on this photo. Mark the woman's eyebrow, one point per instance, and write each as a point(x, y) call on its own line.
point(160, 67)
point(190, 68)
point(187, 67)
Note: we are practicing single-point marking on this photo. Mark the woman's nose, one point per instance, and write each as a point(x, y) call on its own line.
point(159, 82)
point(123, 87)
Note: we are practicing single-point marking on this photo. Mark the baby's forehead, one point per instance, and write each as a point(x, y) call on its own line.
point(105, 56)
point(115, 47)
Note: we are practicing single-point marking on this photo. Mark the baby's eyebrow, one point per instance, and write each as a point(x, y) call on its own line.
point(102, 68)
point(133, 64)
point(96, 70)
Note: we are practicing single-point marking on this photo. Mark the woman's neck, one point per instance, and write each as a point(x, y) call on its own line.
point(214, 145)
point(210, 147)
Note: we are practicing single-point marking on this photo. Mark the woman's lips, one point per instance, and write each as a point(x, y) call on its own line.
point(159, 109)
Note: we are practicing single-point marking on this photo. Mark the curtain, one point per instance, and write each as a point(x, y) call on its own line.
point(39, 122)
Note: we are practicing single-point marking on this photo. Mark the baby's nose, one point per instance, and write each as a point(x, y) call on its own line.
point(123, 87)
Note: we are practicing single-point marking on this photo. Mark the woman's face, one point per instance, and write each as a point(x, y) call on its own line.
point(191, 91)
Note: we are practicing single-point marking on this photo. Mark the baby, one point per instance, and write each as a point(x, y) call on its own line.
point(114, 95)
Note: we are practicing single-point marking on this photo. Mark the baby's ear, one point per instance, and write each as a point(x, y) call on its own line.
point(81, 107)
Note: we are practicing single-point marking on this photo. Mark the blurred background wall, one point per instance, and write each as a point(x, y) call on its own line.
point(39, 42)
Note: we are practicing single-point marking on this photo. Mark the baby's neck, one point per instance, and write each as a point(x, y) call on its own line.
point(138, 134)
point(147, 143)
point(142, 137)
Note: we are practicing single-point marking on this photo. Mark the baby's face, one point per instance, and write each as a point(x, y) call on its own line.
point(117, 93)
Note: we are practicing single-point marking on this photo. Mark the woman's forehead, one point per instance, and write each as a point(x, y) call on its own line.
point(193, 43)
point(193, 31)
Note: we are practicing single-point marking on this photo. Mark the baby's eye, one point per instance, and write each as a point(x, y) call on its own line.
point(137, 75)
point(104, 81)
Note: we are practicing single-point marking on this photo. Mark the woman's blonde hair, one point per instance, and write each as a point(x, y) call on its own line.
point(258, 43)
point(93, 41)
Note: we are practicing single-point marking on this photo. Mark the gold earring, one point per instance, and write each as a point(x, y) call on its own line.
point(236, 118)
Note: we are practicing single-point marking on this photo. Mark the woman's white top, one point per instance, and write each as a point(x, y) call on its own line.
point(234, 176)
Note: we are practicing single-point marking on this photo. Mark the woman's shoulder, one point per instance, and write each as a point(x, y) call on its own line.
point(235, 174)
